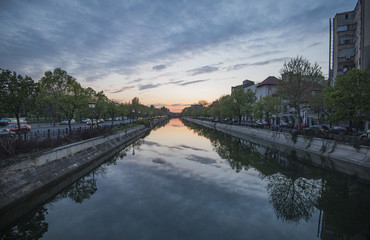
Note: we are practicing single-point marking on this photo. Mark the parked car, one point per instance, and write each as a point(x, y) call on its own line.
point(303, 126)
point(65, 122)
point(14, 127)
point(262, 123)
point(85, 120)
point(94, 121)
point(4, 121)
point(4, 132)
point(285, 124)
point(338, 129)
point(365, 136)
point(318, 129)
point(100, 120)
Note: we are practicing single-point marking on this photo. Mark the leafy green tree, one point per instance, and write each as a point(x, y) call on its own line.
point(215, 109)
point(101, 105)
point(112, 109)
point(63, 93)
point(349, 98)
point(226, 106)
point(298, 78)
point(238, 103)
point(267, 107)
point(124, 109)
point(38, 104)
point(250, 101)
point(316, 104)
point(16, 93)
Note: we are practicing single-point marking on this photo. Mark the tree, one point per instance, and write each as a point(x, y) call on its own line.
point(349, 98)
point(15, 93)
point(112, 109)
point(101, 105)
point(202, 102)
point(38, 106)
point(267, 107)
point(316, 104)
point(215, 109)
point(298, 79)
point(63, 93)
point(249, 103)
point(238, 103)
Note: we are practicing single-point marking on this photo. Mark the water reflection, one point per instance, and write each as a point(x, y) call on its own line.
point(146, 197)
point(32, 226)
point(296, 189)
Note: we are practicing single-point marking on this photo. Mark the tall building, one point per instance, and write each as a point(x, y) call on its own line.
point(351, 39)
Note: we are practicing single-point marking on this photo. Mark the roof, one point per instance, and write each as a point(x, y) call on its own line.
point(271, 80)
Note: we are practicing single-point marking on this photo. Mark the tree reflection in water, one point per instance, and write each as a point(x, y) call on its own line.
point(33, 226)
point(296, 189)
point(293, 199)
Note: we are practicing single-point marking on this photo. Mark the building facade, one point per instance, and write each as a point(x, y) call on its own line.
point(288, 114)
point(351, 40)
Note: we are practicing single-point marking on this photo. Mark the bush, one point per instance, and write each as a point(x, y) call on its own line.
point(143, 122)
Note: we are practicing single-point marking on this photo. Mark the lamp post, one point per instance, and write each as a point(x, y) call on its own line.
point(92, 107)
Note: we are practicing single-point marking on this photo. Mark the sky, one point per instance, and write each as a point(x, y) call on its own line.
point(169, 53)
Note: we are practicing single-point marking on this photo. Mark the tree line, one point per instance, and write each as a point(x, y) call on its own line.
point(301, 85)
point(58, 95)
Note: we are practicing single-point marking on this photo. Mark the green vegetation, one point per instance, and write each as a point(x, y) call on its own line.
point(301, 87)
point(59, 96)
point(349, 98)
point(298, 80)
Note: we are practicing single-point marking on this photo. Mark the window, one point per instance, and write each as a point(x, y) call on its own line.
point(346, 39)
point(342, 28)
point(346, 52)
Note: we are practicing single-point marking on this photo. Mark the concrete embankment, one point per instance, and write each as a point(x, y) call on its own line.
point(26, 184)
point(320, 152)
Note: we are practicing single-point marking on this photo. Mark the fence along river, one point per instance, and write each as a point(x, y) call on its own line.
point(183, 181)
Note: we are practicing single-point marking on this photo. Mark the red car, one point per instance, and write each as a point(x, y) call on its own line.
point(14, 127)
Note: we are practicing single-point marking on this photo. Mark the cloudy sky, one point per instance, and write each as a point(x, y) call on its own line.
point(166, 52)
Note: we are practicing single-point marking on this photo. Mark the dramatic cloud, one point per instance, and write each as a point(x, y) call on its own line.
point(314, 44)
point(202, 160)
point(191, 82)
point(159, 67)
point(148, 86)
point(201, 70)
point(270, 61)
point(192, 148)
point(261, 63)
point(237, 67)
point(136, 80)
point(123, 89)
point(134, 40)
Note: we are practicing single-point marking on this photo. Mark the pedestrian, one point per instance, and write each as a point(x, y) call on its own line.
point(53, 123)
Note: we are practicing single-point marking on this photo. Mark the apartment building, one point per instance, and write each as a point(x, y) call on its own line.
point(351, 40)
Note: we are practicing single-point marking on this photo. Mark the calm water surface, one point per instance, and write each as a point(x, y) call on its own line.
point(187, 182)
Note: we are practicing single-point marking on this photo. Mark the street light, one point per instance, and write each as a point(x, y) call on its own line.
point(92, 106)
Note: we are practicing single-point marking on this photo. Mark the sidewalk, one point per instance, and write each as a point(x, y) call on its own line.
point(42, 125)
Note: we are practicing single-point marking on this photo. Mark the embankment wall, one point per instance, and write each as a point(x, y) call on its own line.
point(320, 152)
point(26, 184)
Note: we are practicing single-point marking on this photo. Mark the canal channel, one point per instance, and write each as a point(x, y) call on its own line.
point(183, 181)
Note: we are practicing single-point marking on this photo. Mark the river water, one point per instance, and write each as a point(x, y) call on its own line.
point(183, 181)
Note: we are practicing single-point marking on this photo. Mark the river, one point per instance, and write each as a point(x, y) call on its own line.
point(183, 181)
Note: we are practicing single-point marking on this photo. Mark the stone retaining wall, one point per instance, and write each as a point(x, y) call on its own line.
point(25, 184)
point(321, 152)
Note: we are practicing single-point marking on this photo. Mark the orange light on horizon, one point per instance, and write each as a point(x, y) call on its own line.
point(176, 109)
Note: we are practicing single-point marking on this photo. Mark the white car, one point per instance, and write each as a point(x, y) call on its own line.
point(65, 122)
point(85, 120)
